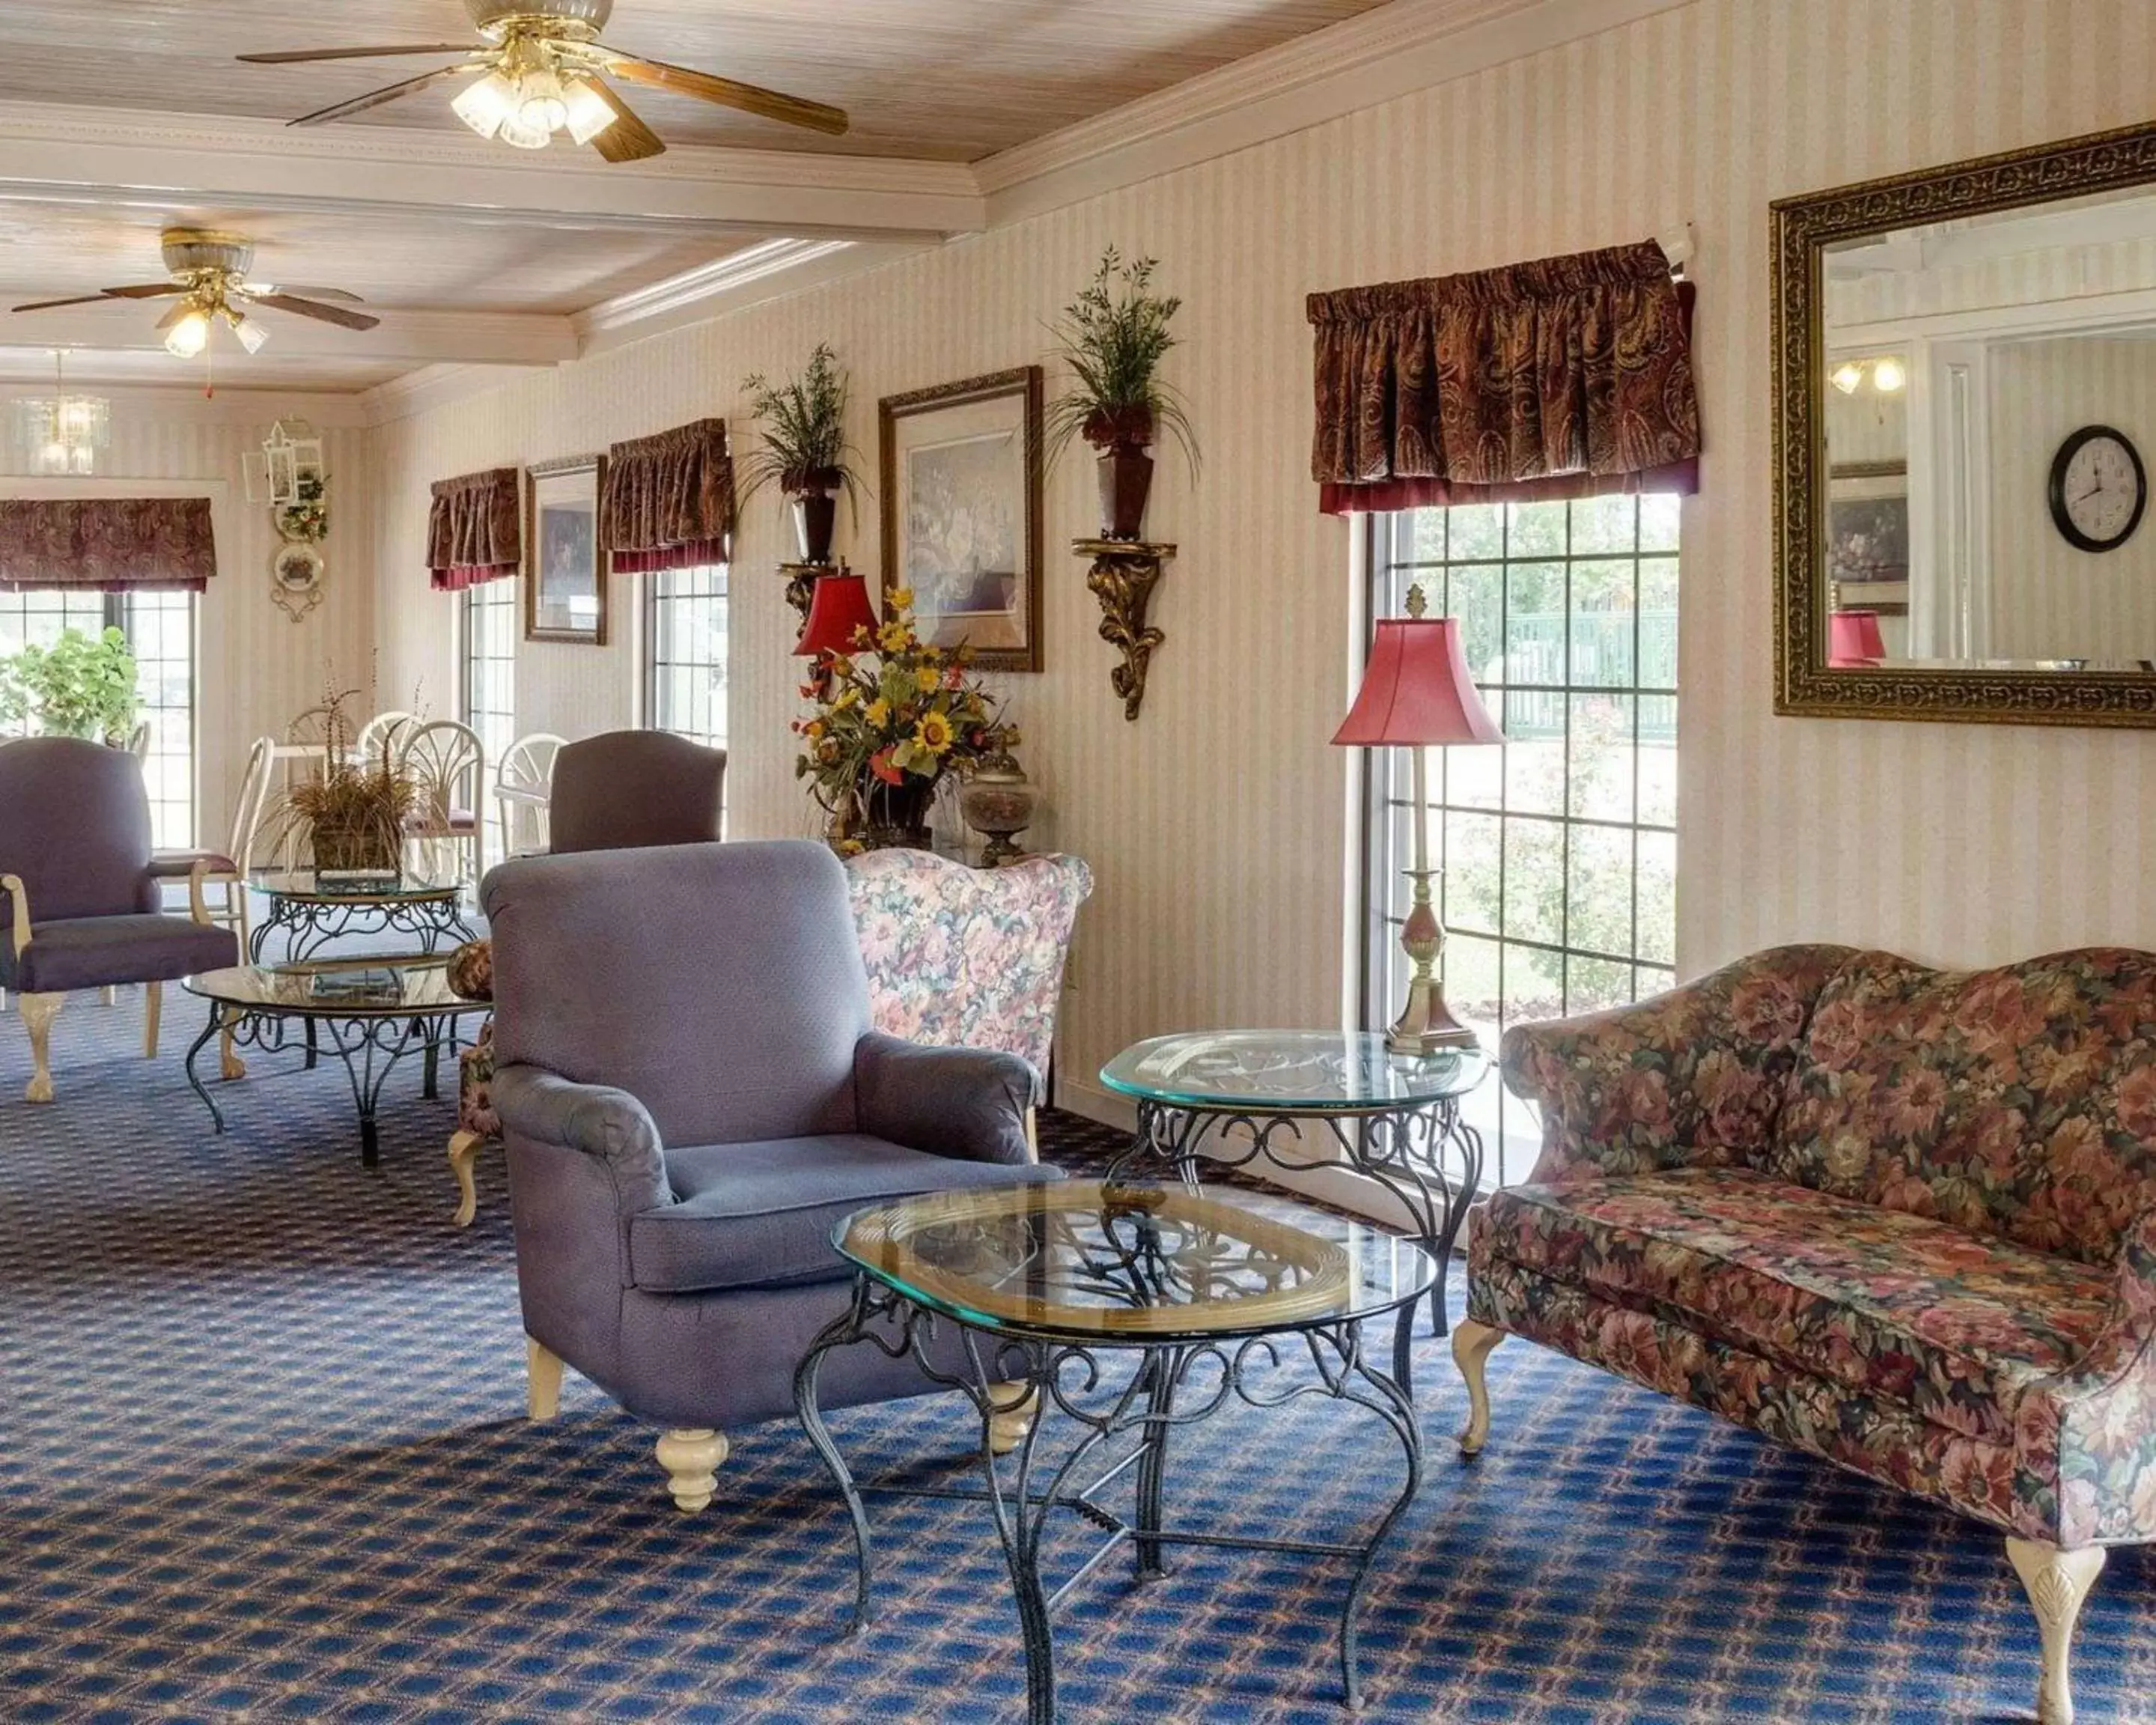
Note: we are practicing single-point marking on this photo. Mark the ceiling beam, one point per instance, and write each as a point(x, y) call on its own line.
point(416, 338)
point(156, 160)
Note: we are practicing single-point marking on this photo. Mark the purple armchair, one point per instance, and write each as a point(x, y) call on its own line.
point(85, 904)
point(692, 1093)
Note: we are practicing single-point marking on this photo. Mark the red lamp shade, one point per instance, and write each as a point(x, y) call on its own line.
point(1416, 689)
point(838, 606)
point(1853, 639)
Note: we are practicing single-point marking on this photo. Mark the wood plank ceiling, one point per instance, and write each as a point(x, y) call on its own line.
point(942, 80)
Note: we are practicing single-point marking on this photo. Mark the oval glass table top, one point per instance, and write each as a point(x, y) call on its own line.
point(339, 987)
point(1090, 1261)
point(1299, 1071)
point(317, 887)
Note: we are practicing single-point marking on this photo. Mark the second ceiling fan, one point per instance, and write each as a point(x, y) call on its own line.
point(540, 64)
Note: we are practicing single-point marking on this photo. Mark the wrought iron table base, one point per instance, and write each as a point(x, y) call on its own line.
point(1177, 1384)
point(311, 924)
point(369, 1044)
point(1401, 1148)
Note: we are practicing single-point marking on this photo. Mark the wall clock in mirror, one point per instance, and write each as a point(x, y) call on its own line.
point(2099, 489)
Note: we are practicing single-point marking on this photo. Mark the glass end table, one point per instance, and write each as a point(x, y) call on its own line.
point(1390, 1116)
point(313, 908)
point(1127, 1315)
point(374, 1012)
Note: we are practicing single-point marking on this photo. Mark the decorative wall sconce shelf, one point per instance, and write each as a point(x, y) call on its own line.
point(1123, 576)
point(801, 583)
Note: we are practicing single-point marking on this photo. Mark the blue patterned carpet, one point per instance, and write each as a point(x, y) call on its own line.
point(262, 1456)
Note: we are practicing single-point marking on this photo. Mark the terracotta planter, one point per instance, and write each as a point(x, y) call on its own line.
point(815, 518)
point(1126, 481)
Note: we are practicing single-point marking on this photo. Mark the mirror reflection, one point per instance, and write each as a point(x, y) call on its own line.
point(1988, 403)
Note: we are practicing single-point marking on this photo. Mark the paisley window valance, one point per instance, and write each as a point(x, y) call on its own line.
point(670, 498)
point(162, 544)
point(473, 530)
point(1566, 377)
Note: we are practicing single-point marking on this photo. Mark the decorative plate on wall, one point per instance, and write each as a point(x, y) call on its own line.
point(295, 578)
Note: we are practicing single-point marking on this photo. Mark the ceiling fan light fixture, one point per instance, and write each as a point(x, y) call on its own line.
point(485, 104)
point(541, 103)
point(515, 131)
point(251, 331)
point(589, 112)
point(189, 334)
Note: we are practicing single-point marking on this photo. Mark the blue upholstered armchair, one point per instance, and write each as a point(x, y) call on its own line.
point(691, 1095)
point(83, 902)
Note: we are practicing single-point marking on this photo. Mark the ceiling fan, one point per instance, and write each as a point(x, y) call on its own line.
point(540, 62)
point(209, 277)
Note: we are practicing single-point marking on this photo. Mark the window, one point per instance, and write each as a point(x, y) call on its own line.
point(1559, 849)
point(160, 627)
point(488, 693)
point(684, 634)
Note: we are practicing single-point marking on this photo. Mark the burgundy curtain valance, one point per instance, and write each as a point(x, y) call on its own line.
point(1565, 378)
point(668, 502)
point(149, 544)
point(473, 532)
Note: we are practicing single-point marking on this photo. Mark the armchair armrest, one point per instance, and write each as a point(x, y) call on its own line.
point(198, 903)
point(1691, 1078)
point(969, 1103)
point(2126, 1346)
point(18, 933)
point(600, 1120)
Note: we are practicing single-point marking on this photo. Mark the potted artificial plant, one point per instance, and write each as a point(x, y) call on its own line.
point(355, 811)
point(804, 423)
point(82, 685)
point(1113, 336)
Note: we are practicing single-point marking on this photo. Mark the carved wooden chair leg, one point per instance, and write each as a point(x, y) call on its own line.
point(463, 1150)
point(692, 1460)
point(1007, 1430)
point(1471, 1344)
point(229, 1066)
point(38, 1011)
point(2056, 1582)
point(542, 1380)
point(153, 1002)
point(110, 994)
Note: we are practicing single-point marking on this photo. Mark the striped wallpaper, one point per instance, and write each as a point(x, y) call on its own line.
point(254, 667)
point(1215, 824)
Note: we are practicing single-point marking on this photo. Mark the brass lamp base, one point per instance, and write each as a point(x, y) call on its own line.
point(1426, 1025)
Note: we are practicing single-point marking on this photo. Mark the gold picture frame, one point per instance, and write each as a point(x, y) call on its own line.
point(1801, 229)
point(565, 560)
point(961, 471)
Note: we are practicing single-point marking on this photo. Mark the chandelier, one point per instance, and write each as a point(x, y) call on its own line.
point(59, 433)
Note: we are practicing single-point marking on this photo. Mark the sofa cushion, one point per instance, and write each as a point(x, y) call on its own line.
point(89, 952)
point(1958, 1326)
point(2018, 1103)
point(761, 1215)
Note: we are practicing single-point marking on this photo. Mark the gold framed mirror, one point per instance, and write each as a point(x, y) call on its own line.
point(1964, 380)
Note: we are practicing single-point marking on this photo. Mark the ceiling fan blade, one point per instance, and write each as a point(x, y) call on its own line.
point(324, 314)
point(174, 315)
point(727, 92)
point(127, 293)
point(629, 139)
point(295, 56)
point(255, 290)
point(387, 93)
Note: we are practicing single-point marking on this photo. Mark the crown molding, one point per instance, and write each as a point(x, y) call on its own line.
point(430, 387)
point(1376, 57)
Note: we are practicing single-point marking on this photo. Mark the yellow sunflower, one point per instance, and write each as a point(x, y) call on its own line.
point(928, 680)
point(934, 733)
point(892, 637)
point(878, 711)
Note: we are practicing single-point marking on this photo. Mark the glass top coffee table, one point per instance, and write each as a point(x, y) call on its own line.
point(1119, 1314)
point(374, 1012)
point(313, 909)
point(1394, 1117)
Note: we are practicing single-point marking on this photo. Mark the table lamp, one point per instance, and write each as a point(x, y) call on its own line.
point(1415, 693)
point(838, 608)
point(1853, 639)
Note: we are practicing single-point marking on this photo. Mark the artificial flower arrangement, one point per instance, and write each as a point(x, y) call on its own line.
point(891, 719)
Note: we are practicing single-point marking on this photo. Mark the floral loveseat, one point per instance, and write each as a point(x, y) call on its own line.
point(1903, 1219)
point(956, 957)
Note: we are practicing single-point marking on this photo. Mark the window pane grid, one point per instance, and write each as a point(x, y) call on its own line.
point(488, 687)
point(686, 644)
point(1556, 848)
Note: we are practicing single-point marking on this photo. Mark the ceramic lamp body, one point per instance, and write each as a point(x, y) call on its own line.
point(998, 802)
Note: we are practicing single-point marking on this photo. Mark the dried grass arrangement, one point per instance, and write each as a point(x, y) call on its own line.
point(354, 812)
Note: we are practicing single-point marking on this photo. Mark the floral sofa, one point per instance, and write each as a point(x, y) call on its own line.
point(956, 957)
point(1904, 1220)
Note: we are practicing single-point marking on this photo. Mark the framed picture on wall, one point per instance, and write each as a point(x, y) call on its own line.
point(565, 588)
point(961, 467)
point(1867, 536)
